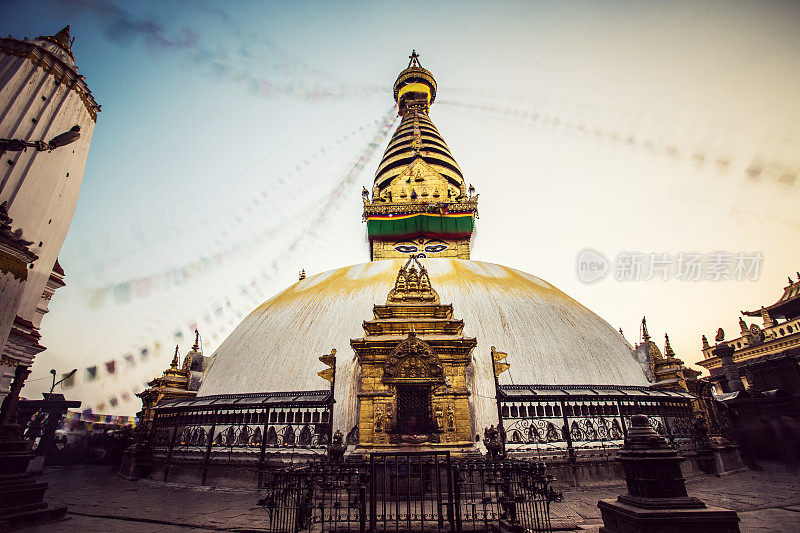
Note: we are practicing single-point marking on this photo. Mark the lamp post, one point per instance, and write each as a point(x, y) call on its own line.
point(53, 371)
point(17, 145)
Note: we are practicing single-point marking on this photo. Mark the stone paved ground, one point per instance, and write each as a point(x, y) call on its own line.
point(100, 501)
point(767, 500)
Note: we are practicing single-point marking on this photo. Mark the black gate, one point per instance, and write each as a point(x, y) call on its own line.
point(414, 491)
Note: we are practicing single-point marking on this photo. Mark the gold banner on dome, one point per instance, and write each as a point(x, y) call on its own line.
point(497, 358)
point(326, 374)
point(330, 360)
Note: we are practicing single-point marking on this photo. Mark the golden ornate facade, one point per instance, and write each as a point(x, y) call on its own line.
point(414, 360)
point(177, 383)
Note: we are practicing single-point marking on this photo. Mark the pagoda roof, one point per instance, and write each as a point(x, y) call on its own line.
point(787, 306)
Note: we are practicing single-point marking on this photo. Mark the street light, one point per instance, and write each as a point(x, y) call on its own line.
point(53, 371)
point(17, 145)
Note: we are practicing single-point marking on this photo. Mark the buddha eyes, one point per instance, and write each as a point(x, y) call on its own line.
point(405, 249)
point(434, 248)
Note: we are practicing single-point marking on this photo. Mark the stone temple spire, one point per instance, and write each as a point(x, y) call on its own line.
point(420, 203)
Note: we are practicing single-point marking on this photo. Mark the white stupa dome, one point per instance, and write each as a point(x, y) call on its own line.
point(550, 338)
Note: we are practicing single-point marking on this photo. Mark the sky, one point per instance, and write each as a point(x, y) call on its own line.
point(235, 137)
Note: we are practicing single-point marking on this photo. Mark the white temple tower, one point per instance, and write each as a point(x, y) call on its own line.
point(41, 96)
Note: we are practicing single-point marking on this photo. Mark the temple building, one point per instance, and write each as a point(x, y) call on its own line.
point(426, 348)
point(765, 357)
point(46, 104)
point(178, 382)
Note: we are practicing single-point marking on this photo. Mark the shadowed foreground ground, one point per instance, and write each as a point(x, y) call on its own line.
point(99, 500)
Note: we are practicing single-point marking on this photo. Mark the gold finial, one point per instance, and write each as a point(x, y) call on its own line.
point(743, 327)
point(667, 348)
point(645, 335)
point(705, 343)
point(175, 358)
point(414, 59)
point(302, 274)
point(196, 346)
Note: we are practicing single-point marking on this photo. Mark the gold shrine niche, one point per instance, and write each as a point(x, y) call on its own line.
point(414, 359)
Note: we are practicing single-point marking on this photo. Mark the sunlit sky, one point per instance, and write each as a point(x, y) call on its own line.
point(232, 131)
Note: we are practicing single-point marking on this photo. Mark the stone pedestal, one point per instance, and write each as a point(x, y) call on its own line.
point(657, 500)
point(619, 517)
point(21, 497)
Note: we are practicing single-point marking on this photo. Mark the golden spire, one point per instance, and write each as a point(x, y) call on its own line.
point(645, 335)
point(414, 59)
point(419, 194)
point(187, 361)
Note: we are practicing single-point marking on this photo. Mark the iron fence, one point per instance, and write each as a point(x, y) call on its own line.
point(415, 491)
point(566, 426)
point(210, 441)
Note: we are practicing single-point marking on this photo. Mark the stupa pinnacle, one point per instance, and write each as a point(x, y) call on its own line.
point(420, 203)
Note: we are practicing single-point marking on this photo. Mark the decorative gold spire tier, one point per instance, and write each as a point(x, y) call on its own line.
point(420, 203)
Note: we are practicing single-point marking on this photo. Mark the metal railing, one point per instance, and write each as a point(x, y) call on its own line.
point(415, 491)
point(212, 441)
point(569, 426)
